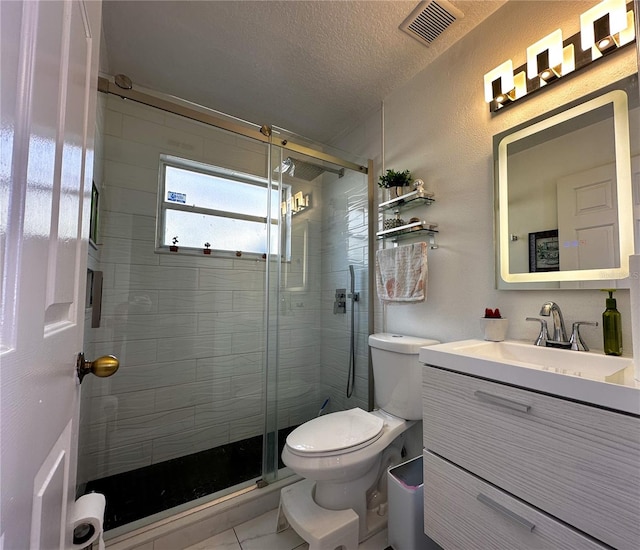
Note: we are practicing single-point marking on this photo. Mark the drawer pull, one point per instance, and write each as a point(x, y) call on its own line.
point(503, 401)
point(506, 512)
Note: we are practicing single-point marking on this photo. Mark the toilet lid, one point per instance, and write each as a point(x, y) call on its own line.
point(335, 431)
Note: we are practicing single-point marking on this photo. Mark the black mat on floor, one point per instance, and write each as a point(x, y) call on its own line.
point(145, 491)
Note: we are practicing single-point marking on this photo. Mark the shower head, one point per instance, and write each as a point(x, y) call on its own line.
point(286, 166)
point(305, 170)
point(352, 278)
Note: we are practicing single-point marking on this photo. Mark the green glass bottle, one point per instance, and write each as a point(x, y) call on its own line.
point(612, 326)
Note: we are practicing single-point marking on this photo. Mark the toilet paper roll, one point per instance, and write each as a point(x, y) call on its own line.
point(88, 519)
point(634, 293)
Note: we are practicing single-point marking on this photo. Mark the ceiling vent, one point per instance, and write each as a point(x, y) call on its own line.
point(430, 19)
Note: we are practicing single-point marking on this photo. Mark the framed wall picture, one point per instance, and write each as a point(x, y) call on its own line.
point(544, 252)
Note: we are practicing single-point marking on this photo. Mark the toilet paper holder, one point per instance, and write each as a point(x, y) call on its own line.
point(87, 520)
point(83, 533)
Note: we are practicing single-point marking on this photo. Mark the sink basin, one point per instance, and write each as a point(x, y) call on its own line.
point(559, 361)
point(586, 376)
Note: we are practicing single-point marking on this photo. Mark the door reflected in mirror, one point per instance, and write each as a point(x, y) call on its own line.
point(565, 204)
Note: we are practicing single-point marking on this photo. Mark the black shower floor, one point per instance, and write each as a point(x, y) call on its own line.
point(145, 491)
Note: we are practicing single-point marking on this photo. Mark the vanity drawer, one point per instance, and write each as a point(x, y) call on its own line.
point(463, 512)
point(579, 463)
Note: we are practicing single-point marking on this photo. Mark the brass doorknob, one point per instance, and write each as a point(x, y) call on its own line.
point(103, 366)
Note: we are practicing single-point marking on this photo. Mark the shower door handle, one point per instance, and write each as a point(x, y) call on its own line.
point(102, 367)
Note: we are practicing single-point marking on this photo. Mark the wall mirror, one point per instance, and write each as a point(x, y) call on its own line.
point(565, 205)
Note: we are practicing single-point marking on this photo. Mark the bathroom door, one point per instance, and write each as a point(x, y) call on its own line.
point(49, 78)
point(588, 222)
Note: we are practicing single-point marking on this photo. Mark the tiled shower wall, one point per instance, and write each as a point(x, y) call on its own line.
point(344, 243)
point(188, 330)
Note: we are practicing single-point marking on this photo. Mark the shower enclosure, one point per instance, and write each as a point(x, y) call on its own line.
point(227, 337)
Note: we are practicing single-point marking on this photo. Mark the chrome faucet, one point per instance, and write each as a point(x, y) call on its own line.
point(543, 335)
point(576, 338)
point(559, 335)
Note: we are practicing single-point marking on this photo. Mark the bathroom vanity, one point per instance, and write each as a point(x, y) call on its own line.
point(522, 449)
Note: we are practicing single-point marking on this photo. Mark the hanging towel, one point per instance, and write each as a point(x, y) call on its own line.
point(401, 273)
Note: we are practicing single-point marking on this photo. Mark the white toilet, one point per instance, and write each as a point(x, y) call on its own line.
point(347, 453)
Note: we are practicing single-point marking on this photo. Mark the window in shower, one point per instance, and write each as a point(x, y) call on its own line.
point(205, 206)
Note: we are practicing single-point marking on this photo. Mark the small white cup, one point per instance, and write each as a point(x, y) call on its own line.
point(495, 330)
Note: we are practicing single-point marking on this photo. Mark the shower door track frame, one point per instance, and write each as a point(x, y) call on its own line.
point(108, 87)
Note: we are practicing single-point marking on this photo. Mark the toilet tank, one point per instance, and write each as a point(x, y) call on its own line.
point(397, 373)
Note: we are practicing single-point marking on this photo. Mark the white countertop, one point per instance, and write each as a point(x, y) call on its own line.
point(622, 395)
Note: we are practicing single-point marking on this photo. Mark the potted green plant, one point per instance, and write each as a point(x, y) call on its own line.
point(393, 178)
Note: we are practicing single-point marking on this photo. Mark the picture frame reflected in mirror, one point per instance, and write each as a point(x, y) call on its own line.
point(544, 251)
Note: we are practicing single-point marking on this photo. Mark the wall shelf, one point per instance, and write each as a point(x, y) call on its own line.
point(406, 201)
point(415, 228)
point(419, 228)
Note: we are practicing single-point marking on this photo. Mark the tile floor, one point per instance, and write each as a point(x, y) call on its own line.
point(259, 534)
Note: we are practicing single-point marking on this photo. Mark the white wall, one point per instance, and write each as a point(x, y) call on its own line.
point(439, 127)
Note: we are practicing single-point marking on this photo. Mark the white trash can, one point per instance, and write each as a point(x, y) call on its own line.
point(406, 520)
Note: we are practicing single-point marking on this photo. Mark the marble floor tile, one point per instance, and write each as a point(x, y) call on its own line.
point(223, 541)
point(260, 534)
point(376, 542)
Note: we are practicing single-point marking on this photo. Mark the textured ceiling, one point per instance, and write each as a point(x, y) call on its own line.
point(315, 68)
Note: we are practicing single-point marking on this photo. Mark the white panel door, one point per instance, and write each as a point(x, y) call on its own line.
point(48, 98)
point(588, 222)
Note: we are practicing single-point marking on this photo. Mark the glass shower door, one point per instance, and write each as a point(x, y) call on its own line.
point(223, 351)
point(325, 221)
point(182, 421)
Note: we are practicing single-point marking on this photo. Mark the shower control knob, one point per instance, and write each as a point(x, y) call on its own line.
point(102, 367)
point(340, 303)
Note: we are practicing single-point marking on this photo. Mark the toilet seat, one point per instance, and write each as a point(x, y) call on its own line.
point(335, 433)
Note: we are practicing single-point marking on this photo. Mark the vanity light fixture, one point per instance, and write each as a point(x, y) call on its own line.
point(600, 25)
point(568, 59)
point(604, 28)
point(545, 58)
point(502, 86)
point(499, 83)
